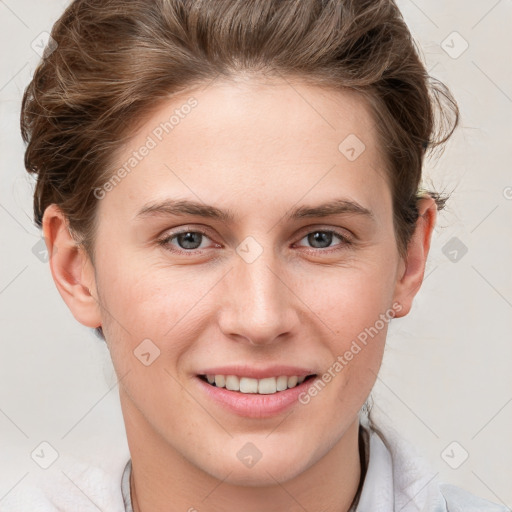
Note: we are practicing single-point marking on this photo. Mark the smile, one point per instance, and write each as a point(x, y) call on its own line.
point(265, 386)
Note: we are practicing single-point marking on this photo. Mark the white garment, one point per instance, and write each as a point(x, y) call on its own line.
point(397, 480)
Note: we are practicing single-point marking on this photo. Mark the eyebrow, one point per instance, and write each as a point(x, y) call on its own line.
point(180, 207)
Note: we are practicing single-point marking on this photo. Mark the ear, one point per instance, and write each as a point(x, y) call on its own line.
point(412, 267)
point(71, 268)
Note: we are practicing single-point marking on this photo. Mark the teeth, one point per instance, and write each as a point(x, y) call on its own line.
point(232, 383)
point(282, 383)
point(267, 386)
point(248, 385)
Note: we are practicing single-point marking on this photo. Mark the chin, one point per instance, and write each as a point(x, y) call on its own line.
point(262, 474)
point(271, 467)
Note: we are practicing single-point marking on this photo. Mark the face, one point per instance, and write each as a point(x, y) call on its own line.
point(285, 265)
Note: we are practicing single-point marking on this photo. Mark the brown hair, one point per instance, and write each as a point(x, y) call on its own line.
point(116, 61)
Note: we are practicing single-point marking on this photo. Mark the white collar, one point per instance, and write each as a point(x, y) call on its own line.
point(396, 477)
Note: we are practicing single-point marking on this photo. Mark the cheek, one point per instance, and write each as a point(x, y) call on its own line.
point(149, 302)
point(150, 322)
point(355, 307)
point(350, 300)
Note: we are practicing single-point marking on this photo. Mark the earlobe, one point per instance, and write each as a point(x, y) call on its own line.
point(412, 269)
point(71, 268)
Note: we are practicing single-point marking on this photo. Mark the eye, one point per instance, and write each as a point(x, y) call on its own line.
point(322, 239)
point(184, 241)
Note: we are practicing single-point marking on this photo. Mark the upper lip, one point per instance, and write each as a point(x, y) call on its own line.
point(258, 373)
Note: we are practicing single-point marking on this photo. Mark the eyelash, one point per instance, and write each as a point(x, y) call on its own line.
point(345, 241)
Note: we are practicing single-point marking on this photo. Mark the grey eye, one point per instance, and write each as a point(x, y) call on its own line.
point(189, 239)
point(320, 239)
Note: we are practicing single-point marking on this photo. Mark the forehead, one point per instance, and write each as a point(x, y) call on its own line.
point(254, 142)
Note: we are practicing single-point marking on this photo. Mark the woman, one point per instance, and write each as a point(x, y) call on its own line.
point(231, 196)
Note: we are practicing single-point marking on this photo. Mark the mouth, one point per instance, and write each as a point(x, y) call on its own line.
point(252, 397)
point(248, 385)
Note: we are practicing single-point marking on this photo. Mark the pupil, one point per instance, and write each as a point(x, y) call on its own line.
point(186, 240)
point(320, 237)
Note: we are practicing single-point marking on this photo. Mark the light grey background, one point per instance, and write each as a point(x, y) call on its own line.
point(446, 374)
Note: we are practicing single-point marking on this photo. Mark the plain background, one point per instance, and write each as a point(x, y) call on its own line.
point(445, 381)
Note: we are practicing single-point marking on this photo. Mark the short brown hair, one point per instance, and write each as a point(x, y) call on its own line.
point(118, 60)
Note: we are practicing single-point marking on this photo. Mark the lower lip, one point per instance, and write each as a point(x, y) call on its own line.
point(253, 405)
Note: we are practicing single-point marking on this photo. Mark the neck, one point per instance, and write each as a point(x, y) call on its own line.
point(163, 480)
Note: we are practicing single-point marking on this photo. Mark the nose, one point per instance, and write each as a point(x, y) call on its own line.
point(259, 305)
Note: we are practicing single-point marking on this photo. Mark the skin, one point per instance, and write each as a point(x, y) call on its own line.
point(259, 150)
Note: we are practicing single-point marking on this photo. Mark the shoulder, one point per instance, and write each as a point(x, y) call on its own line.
point(397, 470)
point(460, 500)
point(69, 485)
